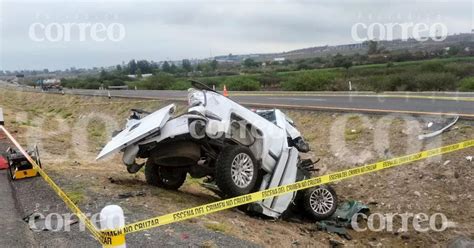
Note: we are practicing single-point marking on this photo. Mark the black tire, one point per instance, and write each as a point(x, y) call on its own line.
point(309, 195)
point(224, 171)
point(165, 177)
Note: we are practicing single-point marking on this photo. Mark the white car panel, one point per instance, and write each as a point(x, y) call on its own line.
point(139, 130)
point(172, 128)
point(270, 145)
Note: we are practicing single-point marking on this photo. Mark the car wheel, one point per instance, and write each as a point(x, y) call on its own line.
point(163, 176)
point(320, 202)
point(236, 171)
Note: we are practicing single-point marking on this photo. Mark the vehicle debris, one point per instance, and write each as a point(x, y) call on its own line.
point(131, 194)
point(337, 228)
point(342, 217)
point(439, 128)
point(111, 179)
point(461, 242)
point(335, 244)
point(36, 222)
point(28, 217)
point(237, 149)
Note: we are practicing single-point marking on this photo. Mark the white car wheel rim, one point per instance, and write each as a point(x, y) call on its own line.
point(242, 170)
point(321, 201)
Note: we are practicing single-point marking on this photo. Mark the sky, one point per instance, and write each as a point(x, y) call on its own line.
point(57, 34)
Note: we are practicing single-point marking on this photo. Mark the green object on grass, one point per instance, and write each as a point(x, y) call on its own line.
point(341, 219)
point(346, 210)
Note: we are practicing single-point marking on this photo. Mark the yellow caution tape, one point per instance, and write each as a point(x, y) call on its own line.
point(272, 192)
point(74, 208)
point(111, 238)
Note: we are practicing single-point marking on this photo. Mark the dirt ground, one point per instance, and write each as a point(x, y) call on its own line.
point(71, 130)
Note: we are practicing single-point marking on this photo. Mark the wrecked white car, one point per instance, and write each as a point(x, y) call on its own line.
point(238, 150)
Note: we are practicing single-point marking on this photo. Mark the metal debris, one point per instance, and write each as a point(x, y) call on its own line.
point(440, 130)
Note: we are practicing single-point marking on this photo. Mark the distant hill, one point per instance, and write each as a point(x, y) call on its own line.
point(412, 45)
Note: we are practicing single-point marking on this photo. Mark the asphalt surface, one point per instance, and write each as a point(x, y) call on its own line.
point(423, 103)
point(14, 231)
point(35, 196)
point(430, 103)
point(31, 197)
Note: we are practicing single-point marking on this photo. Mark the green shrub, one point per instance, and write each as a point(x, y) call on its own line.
point(284, 69)
point(114, 82)
point(398, 82)
point(363, 83)
point(82, 83)
point(435, 81)
point(227, 73)
point(467, 84)
point(310, 81)
point(389, 83)
point(460, 69)
point(406, 81)
point(242, 83)
point(212, 81)
point(180, 85)
point(432, 66)
point(269, 79)
point(160, 81)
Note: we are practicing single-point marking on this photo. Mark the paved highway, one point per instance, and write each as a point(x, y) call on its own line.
point(432, 103)
point(444, 103)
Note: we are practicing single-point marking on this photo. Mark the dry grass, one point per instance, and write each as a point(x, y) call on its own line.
point(330, 135)
point(217, 227)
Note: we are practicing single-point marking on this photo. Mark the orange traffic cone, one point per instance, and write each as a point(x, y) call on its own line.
point(225, 91)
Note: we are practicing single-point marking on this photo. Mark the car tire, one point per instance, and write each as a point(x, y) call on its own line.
point(320, 202)
point(164, 177)
point(236, 171)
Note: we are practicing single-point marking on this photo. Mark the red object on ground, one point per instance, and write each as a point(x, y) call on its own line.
point(3, 163)
point(225, 91)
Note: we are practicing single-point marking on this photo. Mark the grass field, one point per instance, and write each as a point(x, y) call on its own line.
point(424, 75)
point(441, 74)
point(71, 130)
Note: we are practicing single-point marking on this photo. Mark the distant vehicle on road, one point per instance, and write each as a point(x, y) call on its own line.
point(50, 84)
